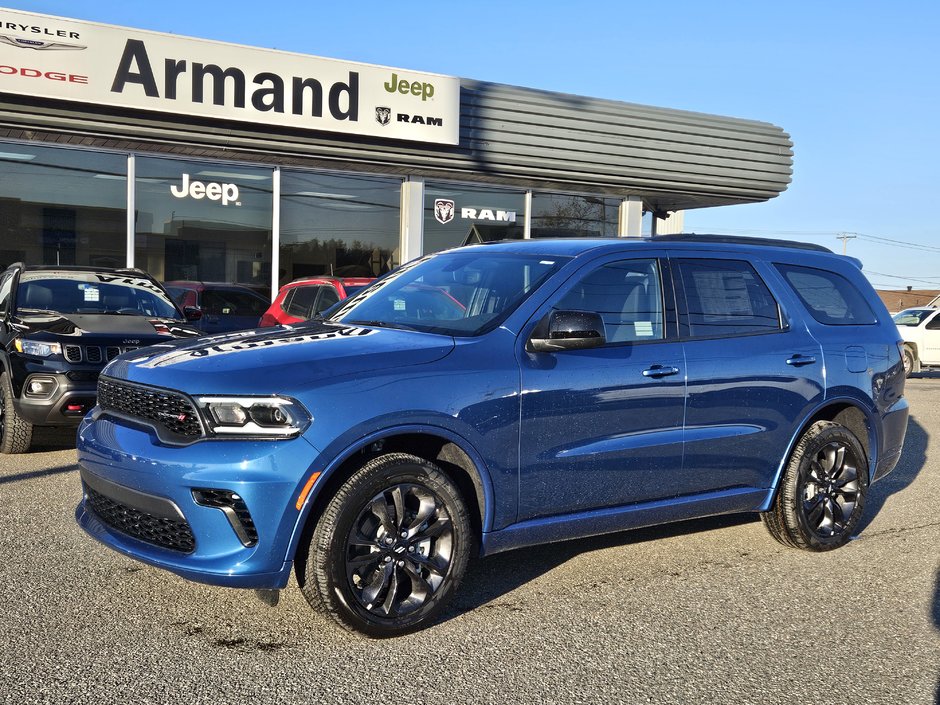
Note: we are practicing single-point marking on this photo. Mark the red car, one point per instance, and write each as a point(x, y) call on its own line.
point(305, 298)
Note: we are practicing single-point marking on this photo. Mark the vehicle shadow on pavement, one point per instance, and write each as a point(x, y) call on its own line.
point(52, 439)
point(34, 474)
point(913, 460)
point(936, 624)
point(492, 577)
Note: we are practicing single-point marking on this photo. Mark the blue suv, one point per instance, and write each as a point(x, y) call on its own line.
point(574, 387)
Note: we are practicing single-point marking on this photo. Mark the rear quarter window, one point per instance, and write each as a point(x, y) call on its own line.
point(829, 297)
point(725, 298)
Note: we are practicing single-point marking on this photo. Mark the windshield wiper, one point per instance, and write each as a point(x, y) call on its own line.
point(382, 324)
point(20, 309)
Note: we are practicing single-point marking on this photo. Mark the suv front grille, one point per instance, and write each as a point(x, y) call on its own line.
point(95, 354)
point(161, 408)
point(175, 535)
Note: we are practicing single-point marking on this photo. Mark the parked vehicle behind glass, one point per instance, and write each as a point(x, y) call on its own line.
point(217, 307)
point(499, 396)
point(302, 299)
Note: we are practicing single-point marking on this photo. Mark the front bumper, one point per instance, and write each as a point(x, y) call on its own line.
point(145, 483)
point(70, 401)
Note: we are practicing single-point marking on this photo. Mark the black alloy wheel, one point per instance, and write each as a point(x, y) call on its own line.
point(389, 549)
point(399, 550)
point(822, 493)
point(831, 490)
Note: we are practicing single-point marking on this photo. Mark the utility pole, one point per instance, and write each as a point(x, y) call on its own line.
point(845, 237)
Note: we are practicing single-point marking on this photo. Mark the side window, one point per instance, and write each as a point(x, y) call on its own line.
point(6, 284)
point(231, 303)
point(831, 298)
point(328, 297)
point(626, 294)
point(933, 323)
point(724, 298)
point(214, 303)
point(301, 304)
point(288, 297)
point(245, 304)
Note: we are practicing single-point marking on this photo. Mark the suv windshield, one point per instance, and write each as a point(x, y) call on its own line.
point(913, 317)
point(91, 292)
point(455, 293)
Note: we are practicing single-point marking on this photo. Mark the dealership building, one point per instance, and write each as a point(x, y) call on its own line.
point(196, 159)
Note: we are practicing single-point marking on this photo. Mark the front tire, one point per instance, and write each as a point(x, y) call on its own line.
point(822, 492)
point(390, 549)
point(16, 433)
point(907, 357)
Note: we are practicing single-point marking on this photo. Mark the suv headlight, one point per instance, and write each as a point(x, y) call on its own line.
point(276, 417)
point(37, 348)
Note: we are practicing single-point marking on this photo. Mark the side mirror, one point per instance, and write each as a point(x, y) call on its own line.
point(568, 330)
point(192, 313)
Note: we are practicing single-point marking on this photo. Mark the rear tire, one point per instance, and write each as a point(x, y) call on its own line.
point(390, 549)
point(822, 493)
point(16, 433)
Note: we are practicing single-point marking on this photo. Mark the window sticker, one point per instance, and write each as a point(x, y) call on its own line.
point(643, 329)
point(91, 293)
point(400, 305)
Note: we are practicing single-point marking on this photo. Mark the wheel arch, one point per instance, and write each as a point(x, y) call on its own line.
point(452, 453)
point(846, 411)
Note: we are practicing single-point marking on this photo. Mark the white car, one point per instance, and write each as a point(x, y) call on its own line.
point(920, 329)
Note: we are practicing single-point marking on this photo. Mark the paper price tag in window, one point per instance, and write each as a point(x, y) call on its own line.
point(643, 329)
point(92, 294)
point(400, 305)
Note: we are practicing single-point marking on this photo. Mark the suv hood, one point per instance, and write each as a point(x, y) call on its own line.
point(275, 360)
point(80, 325)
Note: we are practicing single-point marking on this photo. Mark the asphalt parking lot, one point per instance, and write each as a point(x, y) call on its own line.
point(700, 612)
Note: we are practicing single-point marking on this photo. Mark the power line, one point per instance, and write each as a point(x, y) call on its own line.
point(905, 278)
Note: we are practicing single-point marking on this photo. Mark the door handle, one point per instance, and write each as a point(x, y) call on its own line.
point(657, 371)
point(799, 360)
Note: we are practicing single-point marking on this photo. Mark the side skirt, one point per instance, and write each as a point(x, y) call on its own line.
point(635, 516)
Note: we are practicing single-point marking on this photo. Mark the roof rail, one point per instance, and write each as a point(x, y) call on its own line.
point(741, 240)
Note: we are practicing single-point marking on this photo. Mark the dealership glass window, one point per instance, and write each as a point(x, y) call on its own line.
point(62, 206)
point(338, 225)
point(461, 215)
point(203, 221)
point(555, 215)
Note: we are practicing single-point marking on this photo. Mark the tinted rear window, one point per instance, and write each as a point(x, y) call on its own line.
point(725, 298)
point(829, 297)
point(300, 304)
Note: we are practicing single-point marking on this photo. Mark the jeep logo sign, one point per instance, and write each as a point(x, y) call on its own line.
point(226, 193)
point(149, 71)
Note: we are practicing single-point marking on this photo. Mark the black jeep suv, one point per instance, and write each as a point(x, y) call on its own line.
point(58, 327)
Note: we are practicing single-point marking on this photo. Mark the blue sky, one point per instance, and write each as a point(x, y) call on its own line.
point(855, 84)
